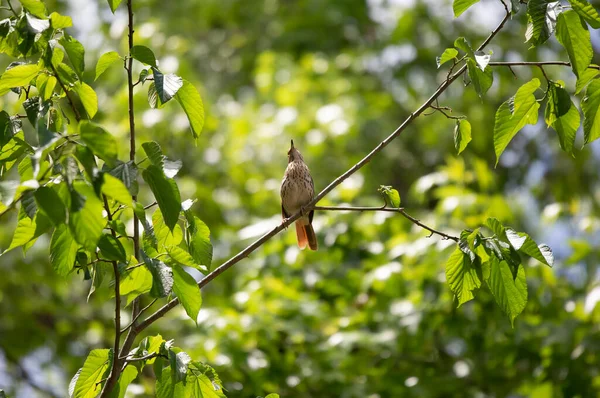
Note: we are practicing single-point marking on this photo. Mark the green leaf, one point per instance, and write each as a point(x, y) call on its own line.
point(391, 195)
point(184, 258)
point(99, 141)
point(94, 370)
point(462, 44)
point(127, 173)
point(116, 189)
point(88, 98)
point(51, 205)
point(199, 244)
point(588, 75)
point(128, 375)
point(156, 157)
point(114, 4)
point(66, 74)
point(541, 20)
point(590, 106)
point(188, 292)
point(162, 276)
point(573, 34)
point(112, 249)
point(46, 88)
point(63, 250)
point(28, 230)
point(166, 193)
point(36, 25)
point(35, 7)
point(482, 80)
point(199, 385)
point(106, 61)
point(461, 276)
point(85, 216)
point(514, 114)
point(460, 6)
point(144, 55)
point(135, 282)
point(462, 135)
point(19, 76)
point(447, 55)
point(587, 12)
point(165, 237)
point(510, 293)
point(191, 102)
point(166, 387)
point(76, 53)
point(523, 243)
point(58, 21)
point(272, 395)
point(562, 115)
point(166, 85)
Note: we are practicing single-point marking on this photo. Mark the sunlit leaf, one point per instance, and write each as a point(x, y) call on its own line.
point(514, 114)
point(461, 276)
point(460, 6)
point(63, 250)
point(462, 135)
point(590, 105)
point(587, 12)
point(510, 293)
point(94, 370)
point(88, 98)
point(20, 75)
point(166, 193)
point(447, 55)
point(106, 61)
point(562, 115)
point(191, 102)
point(99, 140)
point(573, 34)
point(188, 292)
point(166, 85)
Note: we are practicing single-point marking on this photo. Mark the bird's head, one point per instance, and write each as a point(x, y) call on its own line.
point(294, 154)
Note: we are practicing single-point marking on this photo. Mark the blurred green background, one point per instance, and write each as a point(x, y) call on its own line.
point(369, 314)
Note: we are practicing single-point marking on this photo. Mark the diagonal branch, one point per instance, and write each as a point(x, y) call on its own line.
point(246, 252)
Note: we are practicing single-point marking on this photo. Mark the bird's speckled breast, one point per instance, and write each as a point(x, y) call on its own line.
point(297, 188)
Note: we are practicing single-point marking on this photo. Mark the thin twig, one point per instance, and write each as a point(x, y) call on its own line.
point(537, 63)
point(399, 210)
point(139, 314)
point(144, 358)
point(75, 111)
point(246, 252)
point(115, 364)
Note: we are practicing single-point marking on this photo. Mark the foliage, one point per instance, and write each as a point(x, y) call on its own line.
point(340, 321)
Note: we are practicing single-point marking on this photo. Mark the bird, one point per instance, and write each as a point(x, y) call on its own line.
point(297, 190)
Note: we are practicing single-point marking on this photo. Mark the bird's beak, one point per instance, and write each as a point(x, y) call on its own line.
point(292, 144)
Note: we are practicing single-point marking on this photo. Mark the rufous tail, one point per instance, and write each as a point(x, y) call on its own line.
point(301, 234)
point(311, 237)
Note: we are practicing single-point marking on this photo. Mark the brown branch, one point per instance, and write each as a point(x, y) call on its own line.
point(538, 64)
point(399, 210)
point(246, 252)
point(139, 312)
point(115, 368)
point(135, 312)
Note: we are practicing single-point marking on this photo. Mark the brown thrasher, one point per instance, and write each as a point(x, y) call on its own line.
point(297, 190)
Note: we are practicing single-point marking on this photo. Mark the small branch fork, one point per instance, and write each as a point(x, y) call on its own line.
point(384, 208)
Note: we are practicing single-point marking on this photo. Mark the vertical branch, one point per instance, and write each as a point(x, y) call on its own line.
point(131, 335)
point(115, 369)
